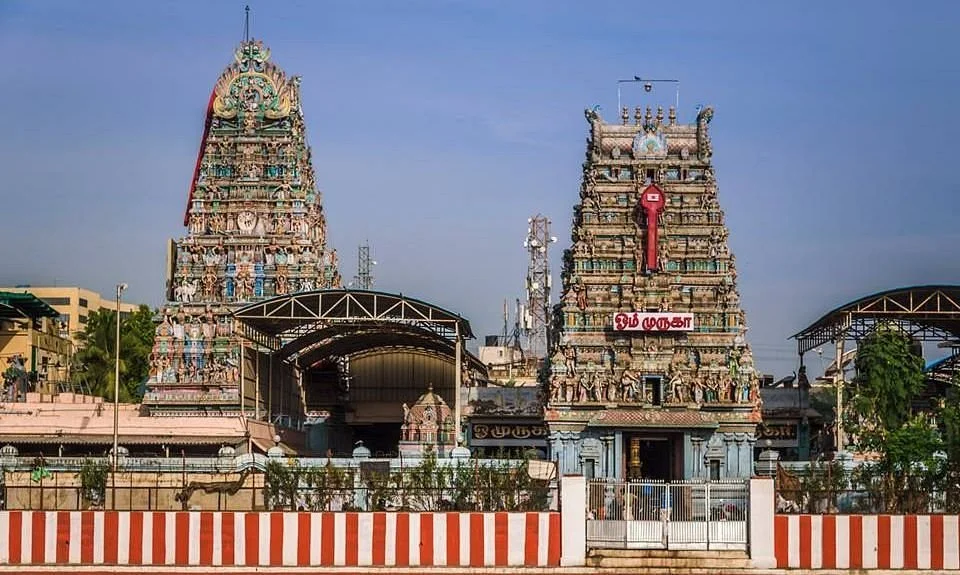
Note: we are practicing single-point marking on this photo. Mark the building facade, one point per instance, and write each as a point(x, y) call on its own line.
point(255, 229)
point(74, 304)
point(651, 375)
point(34, 354)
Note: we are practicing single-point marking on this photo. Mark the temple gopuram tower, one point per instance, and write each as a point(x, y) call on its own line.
point(255, 229)
point(651, 375)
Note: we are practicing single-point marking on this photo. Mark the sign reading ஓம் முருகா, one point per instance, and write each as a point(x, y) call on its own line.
point(653, 321)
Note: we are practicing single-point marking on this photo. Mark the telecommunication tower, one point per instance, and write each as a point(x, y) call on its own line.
point(364, 277)
point(536, 319)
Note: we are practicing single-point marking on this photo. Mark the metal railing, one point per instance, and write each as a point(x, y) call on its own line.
point(862, 501)
point(254, 482)
point(668, 515)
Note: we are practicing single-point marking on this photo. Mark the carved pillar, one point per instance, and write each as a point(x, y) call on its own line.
point(633, 459)
point(608, 456)
point(698, 454)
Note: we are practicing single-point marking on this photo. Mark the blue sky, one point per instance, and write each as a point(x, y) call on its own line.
point(439, 127)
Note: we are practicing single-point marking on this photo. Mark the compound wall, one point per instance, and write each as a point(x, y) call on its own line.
point(867, 541)
point(247, 539)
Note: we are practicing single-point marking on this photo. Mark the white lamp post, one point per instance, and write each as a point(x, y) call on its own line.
point(116, 402)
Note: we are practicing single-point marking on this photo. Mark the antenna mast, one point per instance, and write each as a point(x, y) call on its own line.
point(246, 24)
point(364, 277)
point(538, 284)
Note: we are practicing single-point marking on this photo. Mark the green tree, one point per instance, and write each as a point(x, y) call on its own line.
point(94, 360)
point(889, 377)
point(881, 418)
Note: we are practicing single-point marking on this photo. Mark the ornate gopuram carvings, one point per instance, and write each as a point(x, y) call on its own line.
point(255, 229)
point(650, 339)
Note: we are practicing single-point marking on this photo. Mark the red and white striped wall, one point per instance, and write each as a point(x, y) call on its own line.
point(279, 538)
point(867, 541)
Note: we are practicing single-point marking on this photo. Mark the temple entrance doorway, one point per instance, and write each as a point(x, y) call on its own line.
point(657, 457)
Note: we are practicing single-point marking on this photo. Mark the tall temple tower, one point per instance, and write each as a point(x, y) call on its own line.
point(651, 376)
point(255, 229)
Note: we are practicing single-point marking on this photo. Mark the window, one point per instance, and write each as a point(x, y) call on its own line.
point(715, 470)
point(83, 302)
point(83, 319)
point(57, 300)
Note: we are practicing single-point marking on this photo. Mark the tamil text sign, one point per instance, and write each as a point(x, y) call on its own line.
point(636, 321)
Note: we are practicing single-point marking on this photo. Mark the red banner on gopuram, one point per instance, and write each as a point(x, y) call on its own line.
point(636, 321)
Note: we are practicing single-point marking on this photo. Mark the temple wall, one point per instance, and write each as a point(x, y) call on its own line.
point(158, 491)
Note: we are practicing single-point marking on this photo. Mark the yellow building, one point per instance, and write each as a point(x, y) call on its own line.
point(34, 356)
point(73, 304)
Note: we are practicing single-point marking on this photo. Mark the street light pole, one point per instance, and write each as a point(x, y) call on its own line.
point(116, 403)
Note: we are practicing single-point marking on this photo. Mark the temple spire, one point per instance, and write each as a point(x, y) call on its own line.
point(246, 24)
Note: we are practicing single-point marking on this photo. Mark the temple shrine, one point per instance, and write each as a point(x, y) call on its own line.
point(255, 229)
point(651, 375)
point(427, 427)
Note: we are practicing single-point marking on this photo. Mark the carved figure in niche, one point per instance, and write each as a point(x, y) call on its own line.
point(334, 260)
point(569, 389)
point(673, 386)
point(244, 285)
point(663, 256)
point(611, 390)
point(211, 256)
point(280, 256)
point(712, 384)
point(165, 329)
point(556, 389)
point(570, 360)
point(185, 291)
point(597, 385)
point(697, 391)
point(664, 304)
point(746, 362)
point(628, 385)
point(281, 284)
point(306, 284)
point(581, 291)
point(733, 363)
point(246, 222)
point(307, 256)
point(278, 226)
point(217, 223)
point(586, 236)
point(209, 324)
point(268, 256)
point(209, 285)
point(198, 223)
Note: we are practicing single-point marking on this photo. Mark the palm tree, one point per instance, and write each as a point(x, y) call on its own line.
point(96, 355)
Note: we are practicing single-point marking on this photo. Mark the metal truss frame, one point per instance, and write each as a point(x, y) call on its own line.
point(282, 320)
point(926, 313)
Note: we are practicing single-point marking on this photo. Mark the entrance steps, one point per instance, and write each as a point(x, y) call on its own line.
point(670, 562)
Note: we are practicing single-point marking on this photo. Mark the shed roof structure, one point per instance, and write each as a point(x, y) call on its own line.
point(24, 305)
point(926, 313)
point(307, 327)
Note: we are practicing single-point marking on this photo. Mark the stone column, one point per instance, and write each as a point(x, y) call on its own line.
point(633, 459)
point(607, 456)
